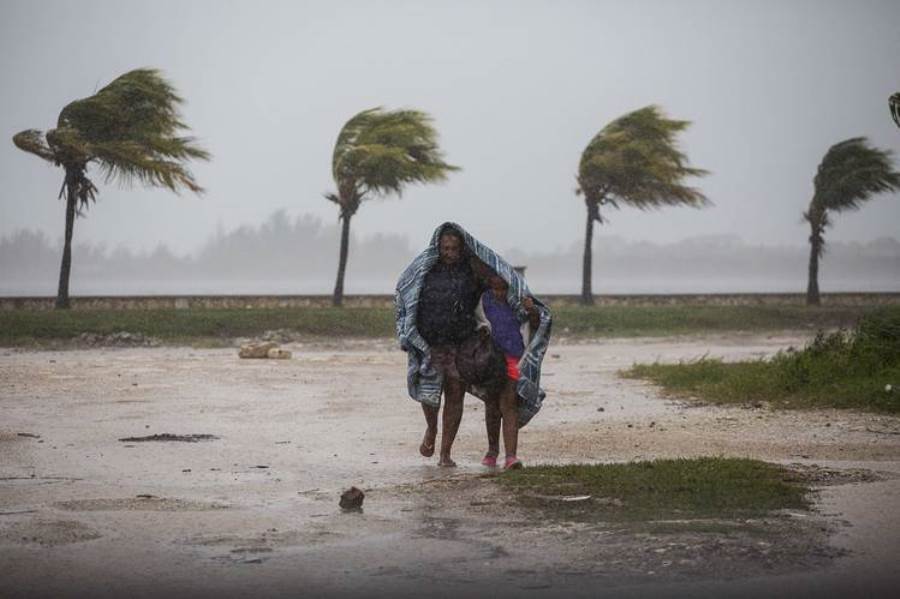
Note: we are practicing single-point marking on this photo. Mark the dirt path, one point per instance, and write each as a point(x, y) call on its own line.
point(254, 511)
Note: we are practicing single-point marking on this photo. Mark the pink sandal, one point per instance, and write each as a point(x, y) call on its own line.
point(489, 460)
point(512, 463)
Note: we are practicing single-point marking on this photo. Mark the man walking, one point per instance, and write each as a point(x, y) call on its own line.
point(445, 318)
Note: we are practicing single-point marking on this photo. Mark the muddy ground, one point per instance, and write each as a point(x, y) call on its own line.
point(253, 511)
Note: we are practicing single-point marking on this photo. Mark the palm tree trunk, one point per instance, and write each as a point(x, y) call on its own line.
point(338, 298)
point(587, 295)
point(812, 287)
point(62, 294)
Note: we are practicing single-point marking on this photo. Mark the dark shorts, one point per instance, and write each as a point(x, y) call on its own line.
point(443, 358)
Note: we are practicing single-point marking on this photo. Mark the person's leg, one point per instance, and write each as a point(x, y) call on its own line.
point(509, 411)
point(441, 358)
point(431, 418)
point(492, 424)
point(454, 391)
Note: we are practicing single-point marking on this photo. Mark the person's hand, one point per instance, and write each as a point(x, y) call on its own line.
point(528, 303)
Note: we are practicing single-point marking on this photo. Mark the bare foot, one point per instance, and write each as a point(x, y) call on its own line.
point(446, 462)
point(427, 446)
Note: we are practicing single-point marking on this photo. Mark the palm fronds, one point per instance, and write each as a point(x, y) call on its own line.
point(378, 152)
point(130, 129)
point(34, 142)
point(851, 172)
point(635, 160)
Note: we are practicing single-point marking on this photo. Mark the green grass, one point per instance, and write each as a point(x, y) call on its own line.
point(24, 327)
point(677, 489)
point(839, 370)
point(641, 321)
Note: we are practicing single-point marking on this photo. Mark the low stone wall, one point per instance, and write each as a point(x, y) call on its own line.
point(186, 302)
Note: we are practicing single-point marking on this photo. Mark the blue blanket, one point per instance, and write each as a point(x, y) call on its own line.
point(423, 381)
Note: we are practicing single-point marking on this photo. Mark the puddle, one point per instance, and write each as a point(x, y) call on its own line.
point(146, 503)
point(163, 437)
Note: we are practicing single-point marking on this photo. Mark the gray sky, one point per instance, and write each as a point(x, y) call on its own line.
point(517, 89)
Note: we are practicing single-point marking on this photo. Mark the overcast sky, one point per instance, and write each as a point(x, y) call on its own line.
point(516, 89)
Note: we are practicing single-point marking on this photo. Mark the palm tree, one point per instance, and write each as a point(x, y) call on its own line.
point(377, 153)
point(634, 160)
point(851, 173)
point(130, 130)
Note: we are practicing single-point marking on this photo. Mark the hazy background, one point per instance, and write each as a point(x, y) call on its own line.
point(517, 89)
point(297, 256)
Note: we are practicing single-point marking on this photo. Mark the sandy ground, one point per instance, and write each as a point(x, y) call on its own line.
point(254, 512)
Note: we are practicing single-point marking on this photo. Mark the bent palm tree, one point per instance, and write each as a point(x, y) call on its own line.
point(377, 153)
point(634, 160)
point(851, 173)
point(130, 129)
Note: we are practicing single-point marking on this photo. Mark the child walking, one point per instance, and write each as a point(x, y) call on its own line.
point(501, 408)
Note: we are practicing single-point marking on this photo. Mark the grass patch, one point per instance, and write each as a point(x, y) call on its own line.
point(859, 369)
point(651, 321)
point(24, 327)
point(678, 489)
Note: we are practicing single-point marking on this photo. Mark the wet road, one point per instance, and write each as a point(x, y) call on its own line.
point(254, 512)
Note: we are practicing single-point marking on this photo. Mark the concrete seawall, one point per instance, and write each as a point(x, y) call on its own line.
point(186, 302)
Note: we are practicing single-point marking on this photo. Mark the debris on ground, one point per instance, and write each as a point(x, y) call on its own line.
point(352, 499)
point(117, 339)
point(267, 349)
point(256, 350)
point(822, 476)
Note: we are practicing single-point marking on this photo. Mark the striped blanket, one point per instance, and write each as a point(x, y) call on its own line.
point(423, 381)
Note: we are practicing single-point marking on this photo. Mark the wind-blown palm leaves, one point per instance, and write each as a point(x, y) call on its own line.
point(635, 161)
point(894, 103)
point(850, 174)
point(130, 129)
point(378, 153)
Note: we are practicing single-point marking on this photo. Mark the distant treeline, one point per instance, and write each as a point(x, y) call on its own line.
point(300, 256)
